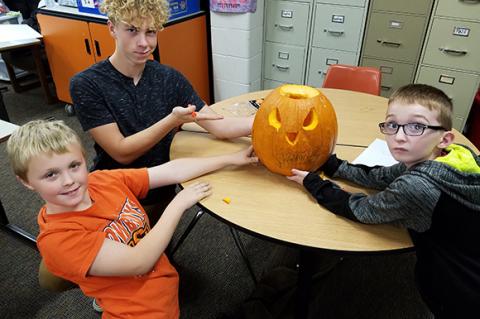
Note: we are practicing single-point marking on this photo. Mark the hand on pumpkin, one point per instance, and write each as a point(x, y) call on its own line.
point(188, 114)
point(298, 176)
point(245, 156)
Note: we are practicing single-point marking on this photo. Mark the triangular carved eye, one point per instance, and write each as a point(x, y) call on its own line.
point(274, 119)
point(311, 121)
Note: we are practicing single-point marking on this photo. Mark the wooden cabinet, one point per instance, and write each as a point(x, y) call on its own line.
point(73, 47)
point(184, 46)
point(393, 40)
point(451, 56)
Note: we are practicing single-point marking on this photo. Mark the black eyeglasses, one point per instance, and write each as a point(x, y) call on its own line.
point(411, 129)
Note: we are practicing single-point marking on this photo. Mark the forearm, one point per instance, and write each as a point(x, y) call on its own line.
point(118, 259)
point(184, 169)
point(153, 245)
point(228, 127)
point(131, 147)
point(329, 195)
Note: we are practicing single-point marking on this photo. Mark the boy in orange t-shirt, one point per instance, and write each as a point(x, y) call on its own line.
point(93, 230)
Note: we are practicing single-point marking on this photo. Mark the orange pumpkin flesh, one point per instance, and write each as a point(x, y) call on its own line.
point(295, 127)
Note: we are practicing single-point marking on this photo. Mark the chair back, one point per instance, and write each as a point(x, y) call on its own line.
point(353, 78)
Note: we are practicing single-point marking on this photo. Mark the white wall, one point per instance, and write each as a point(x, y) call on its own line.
point(237, 52)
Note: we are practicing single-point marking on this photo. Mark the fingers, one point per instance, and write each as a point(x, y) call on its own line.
point(201, 189)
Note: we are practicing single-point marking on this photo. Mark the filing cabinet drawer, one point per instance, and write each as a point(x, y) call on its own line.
point(270, 84)
point(459, 9)
point(460, 87)
point(455, 44)
point(394, 74)
point(287, 22)
point(321, 59)
point(284, 62)
point(395, 36)
point(406, 6)
point(337, 27)
point(355, 3)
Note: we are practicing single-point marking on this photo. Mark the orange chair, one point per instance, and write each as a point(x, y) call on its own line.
point(353, 78)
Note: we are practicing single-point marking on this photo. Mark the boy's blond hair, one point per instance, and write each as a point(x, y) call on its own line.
point(131, 11)
point(39, 137)
point(429, 97)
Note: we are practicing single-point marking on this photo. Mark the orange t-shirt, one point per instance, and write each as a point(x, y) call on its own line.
point(70, 241)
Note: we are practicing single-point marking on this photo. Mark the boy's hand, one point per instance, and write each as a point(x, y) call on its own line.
point(192, 194)
point(298, 176)
point(188, 114)
point(244, 157)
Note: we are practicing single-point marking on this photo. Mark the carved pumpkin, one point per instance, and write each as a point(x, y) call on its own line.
point(295, 127)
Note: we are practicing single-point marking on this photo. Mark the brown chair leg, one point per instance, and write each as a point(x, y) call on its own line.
point(49, 281)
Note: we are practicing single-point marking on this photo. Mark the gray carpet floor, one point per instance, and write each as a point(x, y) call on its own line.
point(215, 282)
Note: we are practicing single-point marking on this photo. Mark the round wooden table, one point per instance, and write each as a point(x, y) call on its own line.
point(269, 205)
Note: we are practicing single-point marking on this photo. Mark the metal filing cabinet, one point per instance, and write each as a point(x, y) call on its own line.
point(336, 38)
point(451, 54)
point(287, 25)
point(303, 37)
point(393, 40)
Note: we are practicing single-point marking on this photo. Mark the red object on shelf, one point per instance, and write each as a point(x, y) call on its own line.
point(473, 132)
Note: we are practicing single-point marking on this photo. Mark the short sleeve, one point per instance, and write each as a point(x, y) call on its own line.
point(89, 102)
point(70, 253)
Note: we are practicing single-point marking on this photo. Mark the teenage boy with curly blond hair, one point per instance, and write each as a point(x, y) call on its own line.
point(131, 105)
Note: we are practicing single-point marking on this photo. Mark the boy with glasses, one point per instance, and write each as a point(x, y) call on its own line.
point(434, 191)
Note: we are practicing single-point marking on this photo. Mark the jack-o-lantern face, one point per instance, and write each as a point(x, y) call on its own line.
point(295, 127)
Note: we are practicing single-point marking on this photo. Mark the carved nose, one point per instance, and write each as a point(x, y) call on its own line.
point(291, 137)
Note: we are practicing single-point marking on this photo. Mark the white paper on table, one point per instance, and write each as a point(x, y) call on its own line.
point(377, 153)
point(16, 32)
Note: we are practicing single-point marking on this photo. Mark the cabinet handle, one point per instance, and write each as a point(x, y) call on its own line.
point(453, 51)
point(471, 1)
point(284, 27)
point(97, 48)
point(322, 72)
point(333, 32)
point(281, 68)
point(389, 43)
point(87, 47)
point(385, 88)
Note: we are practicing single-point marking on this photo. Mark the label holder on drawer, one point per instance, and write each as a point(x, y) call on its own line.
point(446, 79)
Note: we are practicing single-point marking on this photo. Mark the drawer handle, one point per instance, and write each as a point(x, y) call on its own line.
point(281, 67)
point(87, 47)
point(389, 43)
point(471, 1)
point(97, 48)
point(453, 52)
point(385, 88)
point(284, 27)
point(334, 32)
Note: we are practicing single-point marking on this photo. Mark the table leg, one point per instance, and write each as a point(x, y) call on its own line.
point(13, 78)
point(243, 253)
point(37, 56)
point(15, 230)
point(3, 109)
point(306, 274)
